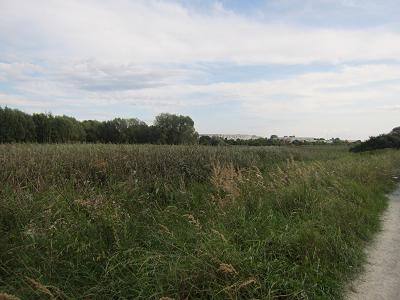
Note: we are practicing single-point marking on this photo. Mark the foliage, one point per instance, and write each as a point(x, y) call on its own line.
point(176, 130)
point(211, 141)
point(16, 126)
point(390, 140)
point(272, 141)
point(186, 222)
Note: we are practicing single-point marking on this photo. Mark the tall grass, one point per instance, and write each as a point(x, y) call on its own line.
point(123, 222)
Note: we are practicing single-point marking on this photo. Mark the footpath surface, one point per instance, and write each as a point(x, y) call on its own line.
point(381, 279)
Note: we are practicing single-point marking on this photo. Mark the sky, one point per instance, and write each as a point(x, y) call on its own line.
point(322, 68)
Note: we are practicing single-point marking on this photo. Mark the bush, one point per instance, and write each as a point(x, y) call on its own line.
point(390, 140)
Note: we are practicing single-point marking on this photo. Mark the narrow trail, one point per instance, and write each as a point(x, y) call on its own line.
point(381, 279)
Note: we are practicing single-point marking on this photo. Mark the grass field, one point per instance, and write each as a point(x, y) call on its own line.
point(187, 222)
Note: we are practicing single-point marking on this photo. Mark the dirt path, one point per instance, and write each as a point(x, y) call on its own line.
point(381, 279)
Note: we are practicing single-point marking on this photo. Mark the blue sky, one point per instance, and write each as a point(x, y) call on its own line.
point(326, 68)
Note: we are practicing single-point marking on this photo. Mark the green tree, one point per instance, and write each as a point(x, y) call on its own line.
point(65, 129)
point(176, 129)
point(395, 131)
point(123, 131)
point(16, 126)
point(390, 140)
point(138, 132)
point(92, 131)
point(43, 127)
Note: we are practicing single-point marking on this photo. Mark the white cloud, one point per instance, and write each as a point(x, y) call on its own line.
point(151, 31)
point(366, 95)
point(146, 53)
point(16, 100)
point(18, 71)
point(94, 76)
point(350, 89)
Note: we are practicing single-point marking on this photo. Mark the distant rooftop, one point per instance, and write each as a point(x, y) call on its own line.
point(232, 136)
point(288, 139)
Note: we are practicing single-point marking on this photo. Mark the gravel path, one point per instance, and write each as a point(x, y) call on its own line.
point(381, 279)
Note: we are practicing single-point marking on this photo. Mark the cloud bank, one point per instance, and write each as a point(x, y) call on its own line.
point(144, 57)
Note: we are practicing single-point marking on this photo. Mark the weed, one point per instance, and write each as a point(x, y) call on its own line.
point(186, 222)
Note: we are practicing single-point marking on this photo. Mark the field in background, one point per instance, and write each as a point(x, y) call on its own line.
point(125, 221)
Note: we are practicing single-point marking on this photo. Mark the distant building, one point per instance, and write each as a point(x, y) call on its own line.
point(292, 138)
point(233, 136)
point(286, 139)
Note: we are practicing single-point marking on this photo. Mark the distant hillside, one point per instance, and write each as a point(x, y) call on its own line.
point(390, 140)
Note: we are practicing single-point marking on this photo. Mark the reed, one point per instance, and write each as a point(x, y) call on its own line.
point(186, 222)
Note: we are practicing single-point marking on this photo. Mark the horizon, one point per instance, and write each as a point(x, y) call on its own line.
point(150, 123)
point(315, 68)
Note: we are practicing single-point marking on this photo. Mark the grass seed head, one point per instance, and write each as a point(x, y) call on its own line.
point(5, 296)
point(37, 285)
point(227, 269)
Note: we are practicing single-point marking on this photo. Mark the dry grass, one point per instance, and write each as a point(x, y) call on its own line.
point(122, 222)
point(39, 286)
point(226, 178)
point(227, 269)
point(4, 296)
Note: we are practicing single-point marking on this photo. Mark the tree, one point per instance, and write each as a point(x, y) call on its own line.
point(123, 131)
point(137, 131)
point(92, 131)
point(110, 132)
point(43, 127)
point(176, 129)
point(205, 140)
point(16, 126)
point(396, 131)
point(212, 141)
point(391, 140)
point(65, 129)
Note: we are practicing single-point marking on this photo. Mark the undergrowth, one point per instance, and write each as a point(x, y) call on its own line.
point(147, 222)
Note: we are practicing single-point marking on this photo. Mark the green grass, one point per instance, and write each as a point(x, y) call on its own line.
point(124, 222)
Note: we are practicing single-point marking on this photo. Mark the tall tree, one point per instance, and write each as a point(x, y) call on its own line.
point(176, 129)
point(43, 127)
point(16, 126)
point(92, 131)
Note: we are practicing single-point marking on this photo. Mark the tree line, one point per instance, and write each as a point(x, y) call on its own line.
point(19, 127)
point(272, 141)
point(390, 140)
point(218, 141)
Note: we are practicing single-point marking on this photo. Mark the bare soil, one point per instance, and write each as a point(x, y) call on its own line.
point(381, 279)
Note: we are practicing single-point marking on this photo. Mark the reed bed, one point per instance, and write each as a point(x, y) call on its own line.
point(186, 222)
